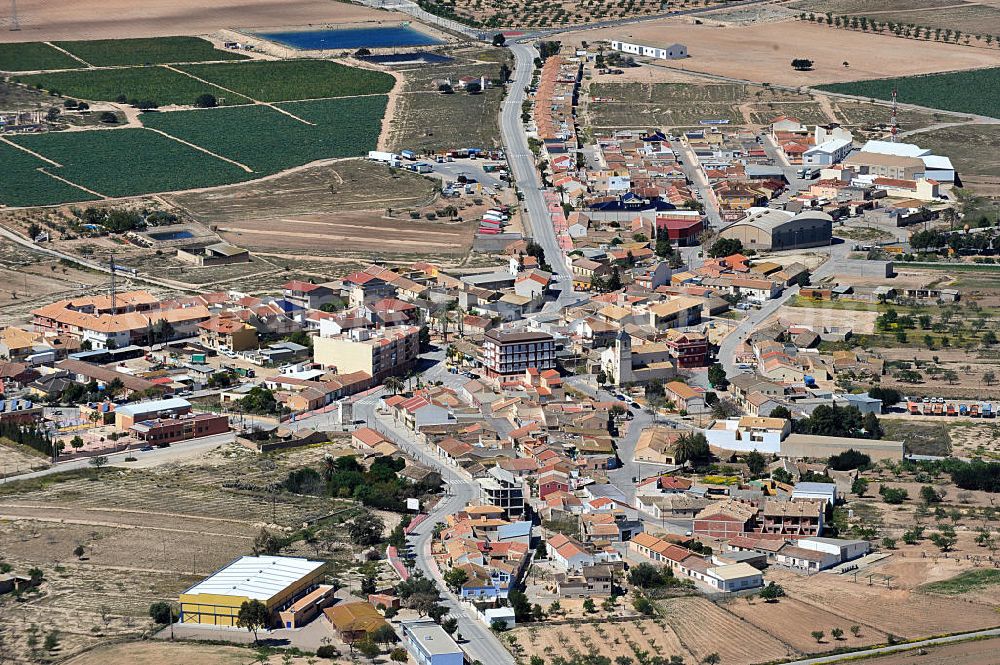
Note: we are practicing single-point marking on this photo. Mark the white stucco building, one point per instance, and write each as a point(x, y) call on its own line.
point(672, 52)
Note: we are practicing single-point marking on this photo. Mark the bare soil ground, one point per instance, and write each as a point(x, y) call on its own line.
point(902, 612)
point(792, 621)
point(147, 535)
point(609, 639)
point(16, 459)
point(764, 52)
point(358, 231)
point(27, 277)
point(164, 653)
point(860, 321)
point(344, 185)
point(976, 652)
point(115, 19)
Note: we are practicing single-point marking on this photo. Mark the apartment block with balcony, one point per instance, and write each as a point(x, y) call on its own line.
point(380, 353)
point(508, 352)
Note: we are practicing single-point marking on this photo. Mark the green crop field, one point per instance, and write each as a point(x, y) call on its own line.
point(155, 84)
point(965, 92)
point(285, 80)
point(33, 56)
point(23, 185)
point(127, 162)
point(268, 141)
point(970, 580)
point(147, 51)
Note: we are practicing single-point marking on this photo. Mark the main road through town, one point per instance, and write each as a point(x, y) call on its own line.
point(478, 641)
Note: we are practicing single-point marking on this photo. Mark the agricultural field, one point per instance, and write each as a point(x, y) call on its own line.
point(860, 6)
point(338, 233)
point(978, 579)
point(24, 184)
point(763, 52)
point(166, 653)
point(627, 638)
point(531, 14)
point(114, 19)
point(792, 621)
point(974, 149)
point(966, 18)
point(683, 104)
point(810, 113)
point(901, 612)
point(344, 186)
point(269, 141)
point(286, 80)
point(704, 628)
point(663, 104)
point(147, 534)
point(155, 84)
point(973, 652)
point(147, 51)
point(955, 91)
point(33, 56)
point(128, 162)
point(432, 121)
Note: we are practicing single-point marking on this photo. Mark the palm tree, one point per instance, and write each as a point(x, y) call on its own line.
point(690, 447)
point(393, 384)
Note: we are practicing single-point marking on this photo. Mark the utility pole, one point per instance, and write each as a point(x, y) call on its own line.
point(111, 265)
point(15, 25)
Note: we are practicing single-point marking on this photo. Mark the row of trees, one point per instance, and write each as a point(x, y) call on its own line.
point(907, 30)
point(931, 240)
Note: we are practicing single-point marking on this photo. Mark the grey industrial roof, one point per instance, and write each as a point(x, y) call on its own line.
point(256, 577)
point(152, 406)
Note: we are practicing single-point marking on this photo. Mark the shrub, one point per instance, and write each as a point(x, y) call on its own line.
point(327, 651)
point(162, 613)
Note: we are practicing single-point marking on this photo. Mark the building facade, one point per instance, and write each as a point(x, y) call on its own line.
point(506, 353)
point(672, 52)
point(380, 353)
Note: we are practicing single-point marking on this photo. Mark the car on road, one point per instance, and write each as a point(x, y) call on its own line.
point(620, 398)
point(146, 449)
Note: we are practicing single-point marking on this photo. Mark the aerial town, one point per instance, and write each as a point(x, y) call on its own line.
point(456, 333)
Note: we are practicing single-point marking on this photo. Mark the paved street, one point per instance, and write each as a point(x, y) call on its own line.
point(699, 182)
point(480, 643)
point(524, 175)
point(150, 458)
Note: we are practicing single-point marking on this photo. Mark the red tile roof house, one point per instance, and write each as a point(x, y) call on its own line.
point(553, 481)
point(568, 553)
point(682, 230)
point(365, 439)
point(725, 520)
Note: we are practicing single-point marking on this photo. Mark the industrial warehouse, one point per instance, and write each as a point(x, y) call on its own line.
point(771, 229)
point(289, 587)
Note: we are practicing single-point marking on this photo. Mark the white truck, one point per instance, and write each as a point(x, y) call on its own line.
point(386, 157)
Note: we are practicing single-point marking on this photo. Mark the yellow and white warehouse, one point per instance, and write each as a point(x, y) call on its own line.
point(277, 581)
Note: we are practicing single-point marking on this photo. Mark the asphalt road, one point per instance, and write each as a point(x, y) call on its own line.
point(155, 457)
point(524, 175)
point(727, 349)
point(478, 641)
